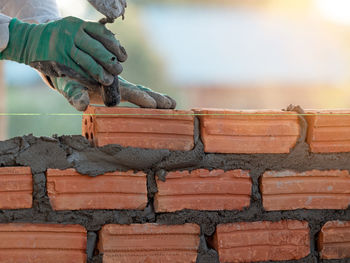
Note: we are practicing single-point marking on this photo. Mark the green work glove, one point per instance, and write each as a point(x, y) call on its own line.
point(144, 97)
point(80, 97)
point(76, 94)
point(70, 47)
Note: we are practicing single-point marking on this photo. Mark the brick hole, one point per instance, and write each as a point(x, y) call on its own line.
point(87, 135)
point(91, 136)
point(85, 121)
point(90, 118)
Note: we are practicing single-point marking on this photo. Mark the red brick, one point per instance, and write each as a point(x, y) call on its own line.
point(289, 190)
point(262, 241)
point(230, 131)
point(16, 187)
point(329, 131)
point(204, 190)
point(149, 243)
point(69, 190)
point(142, 128)
point(334, 240)
point(42, 243)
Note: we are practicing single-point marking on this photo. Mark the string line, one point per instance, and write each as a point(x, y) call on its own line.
point(176, 114)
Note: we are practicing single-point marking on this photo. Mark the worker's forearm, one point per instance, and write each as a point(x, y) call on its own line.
point(30, 11)
point(4, 31)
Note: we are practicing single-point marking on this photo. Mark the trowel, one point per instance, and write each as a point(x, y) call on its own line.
point(112, 9)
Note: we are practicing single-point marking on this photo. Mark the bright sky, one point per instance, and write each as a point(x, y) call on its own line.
point(335, 10)
point(229, 45)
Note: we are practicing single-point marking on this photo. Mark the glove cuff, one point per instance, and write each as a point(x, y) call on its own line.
point(19, 33)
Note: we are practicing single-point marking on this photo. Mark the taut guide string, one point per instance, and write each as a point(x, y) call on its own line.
point(176, 114)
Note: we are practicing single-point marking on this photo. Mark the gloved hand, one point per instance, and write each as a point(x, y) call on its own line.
point(80, 97)
point(70, 47)
point(76, 94)
point(144, 97)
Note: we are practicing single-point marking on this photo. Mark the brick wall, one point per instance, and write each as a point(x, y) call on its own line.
point(180, 186)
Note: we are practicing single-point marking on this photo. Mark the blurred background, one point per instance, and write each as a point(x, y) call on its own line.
point(237, 54)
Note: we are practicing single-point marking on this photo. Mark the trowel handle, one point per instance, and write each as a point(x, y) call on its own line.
point(111, 94)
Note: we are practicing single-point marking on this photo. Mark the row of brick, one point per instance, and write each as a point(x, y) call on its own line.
point(46, 243)
point(283, 240)
point(222, 131)
point(236, 242)
point(198, 190)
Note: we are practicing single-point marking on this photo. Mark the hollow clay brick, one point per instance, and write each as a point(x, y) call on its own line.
point(149, 243)
point(42, 243)
point(250, 132)
point(69, 190)
point(16, 187)
point(289, 190)
point(262, 241)
point(142, 128)
point(328, 131)
point(334, 240)
point(204, 190)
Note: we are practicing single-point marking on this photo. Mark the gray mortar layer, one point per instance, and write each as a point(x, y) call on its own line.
point(76, 152)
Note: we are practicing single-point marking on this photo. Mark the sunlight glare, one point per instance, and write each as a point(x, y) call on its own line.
point(335, 10)
point(72, 8)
